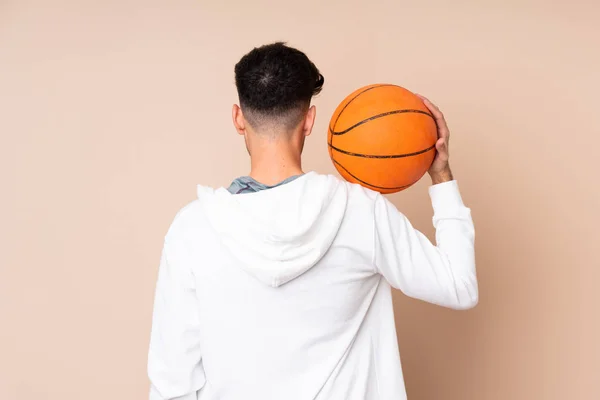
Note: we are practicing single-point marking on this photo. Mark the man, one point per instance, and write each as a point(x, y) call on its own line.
point(279, 287)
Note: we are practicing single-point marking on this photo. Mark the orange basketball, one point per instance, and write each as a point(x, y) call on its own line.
point(382, 137)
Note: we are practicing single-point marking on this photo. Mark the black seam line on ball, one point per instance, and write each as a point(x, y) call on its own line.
point(367, 183)
point(385, 114)
point(416, 153)
point(352, 99)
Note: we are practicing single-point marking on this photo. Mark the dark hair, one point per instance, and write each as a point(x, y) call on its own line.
point(275, 83)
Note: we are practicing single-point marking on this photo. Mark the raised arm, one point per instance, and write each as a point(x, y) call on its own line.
point(442, 274)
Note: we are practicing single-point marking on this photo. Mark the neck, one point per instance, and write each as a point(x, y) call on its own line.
point(275, 162)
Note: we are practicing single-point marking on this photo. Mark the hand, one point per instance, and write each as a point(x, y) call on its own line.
point(440, 168)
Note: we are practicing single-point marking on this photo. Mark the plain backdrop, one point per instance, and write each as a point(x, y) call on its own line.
point(112, 111)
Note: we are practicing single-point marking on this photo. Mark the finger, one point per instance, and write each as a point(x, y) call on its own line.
point(439, 118)
point(432, 107)
point(444, 132)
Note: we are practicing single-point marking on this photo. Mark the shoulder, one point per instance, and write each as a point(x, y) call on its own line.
point(361, 201)
point(367, 204)
point(356, 192)
point(187, 219)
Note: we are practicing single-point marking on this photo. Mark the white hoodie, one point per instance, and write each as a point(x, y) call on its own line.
point(284, 294)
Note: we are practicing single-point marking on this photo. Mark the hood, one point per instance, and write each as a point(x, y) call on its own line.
point(279, 233)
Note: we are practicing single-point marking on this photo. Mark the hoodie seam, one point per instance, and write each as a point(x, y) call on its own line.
point(374, 238)
point(375, 367)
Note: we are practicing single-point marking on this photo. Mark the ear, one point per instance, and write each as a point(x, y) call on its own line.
point(238, 119)
point(309, 120)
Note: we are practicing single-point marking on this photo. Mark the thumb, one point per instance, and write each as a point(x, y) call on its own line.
point(441, 144)
point(442, 148)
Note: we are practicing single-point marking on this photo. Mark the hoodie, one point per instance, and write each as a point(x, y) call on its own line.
point(285, 293)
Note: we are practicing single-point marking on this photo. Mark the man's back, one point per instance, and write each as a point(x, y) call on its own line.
point(284, 293)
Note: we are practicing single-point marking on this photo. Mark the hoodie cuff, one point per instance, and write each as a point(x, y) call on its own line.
point(445, 197)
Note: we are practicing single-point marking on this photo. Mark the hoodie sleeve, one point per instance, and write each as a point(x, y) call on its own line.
point(174, 359)
point(443, 274)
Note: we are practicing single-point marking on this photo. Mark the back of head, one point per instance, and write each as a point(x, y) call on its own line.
point(275, 84)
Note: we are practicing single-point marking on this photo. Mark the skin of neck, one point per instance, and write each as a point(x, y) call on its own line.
point(272, 161)
point(275, 151)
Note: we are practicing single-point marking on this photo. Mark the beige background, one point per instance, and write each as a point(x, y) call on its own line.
point(112, 111)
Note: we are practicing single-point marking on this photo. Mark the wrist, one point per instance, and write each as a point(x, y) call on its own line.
point(444, 175)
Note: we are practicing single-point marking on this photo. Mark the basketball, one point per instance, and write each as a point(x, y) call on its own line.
point(382, 137)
